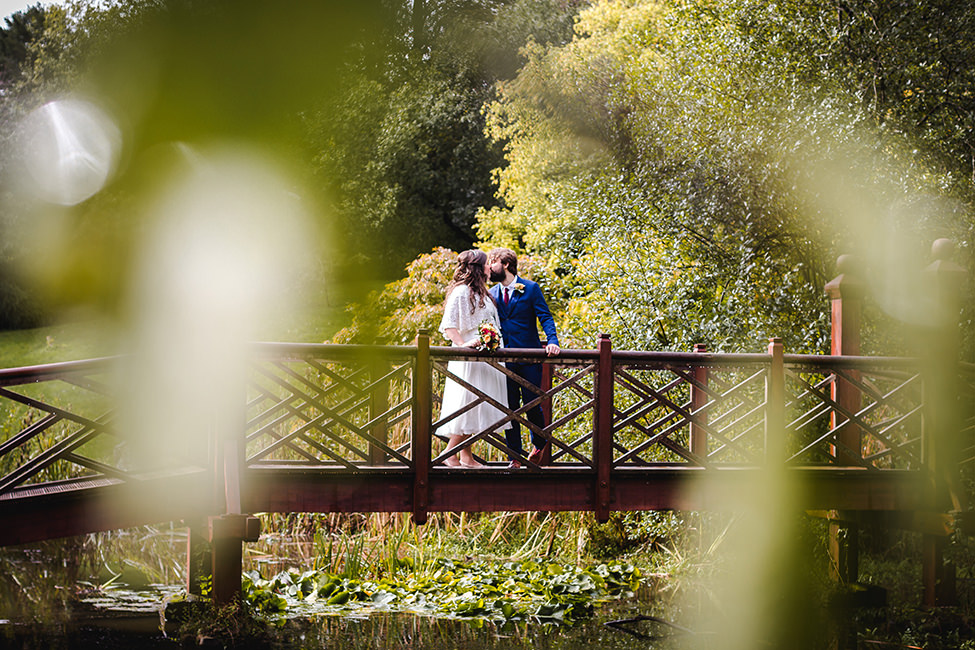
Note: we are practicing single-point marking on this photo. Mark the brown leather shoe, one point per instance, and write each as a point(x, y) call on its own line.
point(514, 464)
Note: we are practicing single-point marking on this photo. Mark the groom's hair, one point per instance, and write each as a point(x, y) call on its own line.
point(507, 257)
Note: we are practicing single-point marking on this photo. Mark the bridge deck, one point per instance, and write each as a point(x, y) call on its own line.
point(89, 505)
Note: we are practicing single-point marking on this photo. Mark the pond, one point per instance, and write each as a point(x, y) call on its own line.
point(106, 591)
point(72, 593)
point(131, 618)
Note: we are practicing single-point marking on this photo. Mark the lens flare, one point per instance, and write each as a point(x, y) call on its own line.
point(226, 239)
point(72, 149)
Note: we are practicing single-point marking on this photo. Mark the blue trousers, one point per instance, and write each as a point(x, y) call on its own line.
point(519, 395)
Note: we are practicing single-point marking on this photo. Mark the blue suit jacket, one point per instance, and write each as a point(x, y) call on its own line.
point(519, 316)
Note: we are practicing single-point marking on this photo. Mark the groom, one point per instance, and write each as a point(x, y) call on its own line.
point(520, 304)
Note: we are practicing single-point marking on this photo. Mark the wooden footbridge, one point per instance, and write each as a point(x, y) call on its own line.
point(338, 428)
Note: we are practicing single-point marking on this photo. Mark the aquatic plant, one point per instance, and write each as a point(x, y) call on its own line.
point(497, 591)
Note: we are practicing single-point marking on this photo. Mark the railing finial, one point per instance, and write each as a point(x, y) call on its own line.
point(942, 249)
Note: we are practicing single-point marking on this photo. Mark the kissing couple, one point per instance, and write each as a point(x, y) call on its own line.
point(515, 307)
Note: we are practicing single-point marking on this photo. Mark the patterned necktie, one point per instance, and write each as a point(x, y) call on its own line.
point(506, 296)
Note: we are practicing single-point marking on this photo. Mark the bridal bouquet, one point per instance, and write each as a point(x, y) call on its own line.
point(488, 337)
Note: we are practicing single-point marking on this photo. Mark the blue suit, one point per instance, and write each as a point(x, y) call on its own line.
point(519, 326)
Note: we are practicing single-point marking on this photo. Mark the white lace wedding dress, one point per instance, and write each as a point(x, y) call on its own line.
point(487, 378)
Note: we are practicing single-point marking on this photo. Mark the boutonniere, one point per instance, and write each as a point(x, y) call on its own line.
point(518, 287)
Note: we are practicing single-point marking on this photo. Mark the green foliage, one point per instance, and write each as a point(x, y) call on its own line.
point(407, 163)
point(397, 312)
point(22, 29)
point(18, 308)
point(694, 168)
point(626, 532)
point(401, 145)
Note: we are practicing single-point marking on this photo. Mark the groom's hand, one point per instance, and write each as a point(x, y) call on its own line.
point(552, 350)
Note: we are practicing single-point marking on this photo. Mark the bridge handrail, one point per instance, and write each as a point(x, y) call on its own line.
point(48, 371)
point(348, 352)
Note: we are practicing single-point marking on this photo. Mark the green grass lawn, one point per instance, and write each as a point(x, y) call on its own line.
point(55, 343)
point(89, 339)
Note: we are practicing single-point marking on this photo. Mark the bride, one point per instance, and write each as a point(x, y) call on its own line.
point(468, 305)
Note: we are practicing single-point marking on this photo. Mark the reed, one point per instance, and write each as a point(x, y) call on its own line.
point(354, 545)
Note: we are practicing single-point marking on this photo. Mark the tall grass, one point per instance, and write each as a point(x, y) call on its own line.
point(378, 543)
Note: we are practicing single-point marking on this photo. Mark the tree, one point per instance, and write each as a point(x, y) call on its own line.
point(23, 28)
point(694, 168)
point(401, 146)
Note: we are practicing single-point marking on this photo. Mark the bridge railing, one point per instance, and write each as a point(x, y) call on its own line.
point(356, 408)
point(342, 405)
point(57, 425)
point(377, 408)
point(967, 399)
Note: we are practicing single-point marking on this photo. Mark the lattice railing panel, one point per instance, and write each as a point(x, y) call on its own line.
point(885, 416)
point(966, 399)
point(58, 423)
point(651, 414)
point(315, 412)
point(657, 412)
point(734, 415)
point(569, 402)
point(571, 425)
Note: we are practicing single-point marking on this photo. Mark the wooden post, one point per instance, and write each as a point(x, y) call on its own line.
point(844, 552)
point(422, 421)
point(942, 420)
point(845, 292)
point(546, 385)
point(775, 447)
point(378, 404)
point(602, 448)
point(227, 532)
point(699, 398)
point(846, 298)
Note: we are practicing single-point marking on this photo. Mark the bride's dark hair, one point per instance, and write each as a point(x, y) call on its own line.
point(470, 271)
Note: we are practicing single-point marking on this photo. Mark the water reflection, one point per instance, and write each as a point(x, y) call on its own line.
point(398, 631)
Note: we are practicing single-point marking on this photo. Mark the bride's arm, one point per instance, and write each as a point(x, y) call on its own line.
point(453, 334)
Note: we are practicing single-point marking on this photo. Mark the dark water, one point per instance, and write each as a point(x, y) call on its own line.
point(108, 629)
